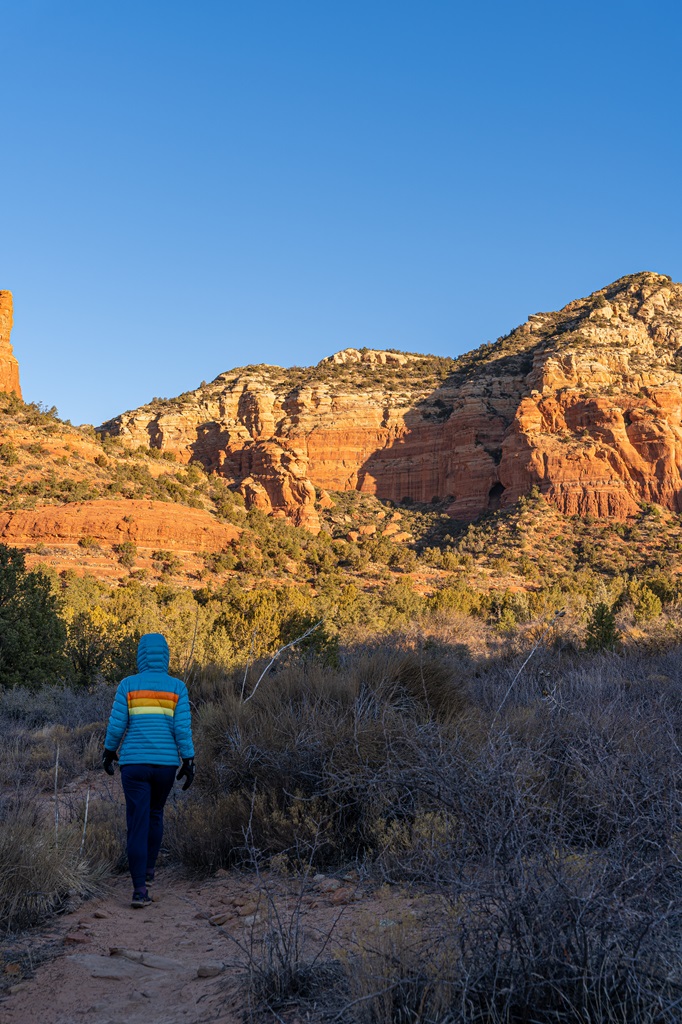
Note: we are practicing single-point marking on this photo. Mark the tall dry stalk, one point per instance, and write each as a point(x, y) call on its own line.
point(85, 822)
point(538, 642)
point(56, 799)
point(190, 656)
point(248, 662)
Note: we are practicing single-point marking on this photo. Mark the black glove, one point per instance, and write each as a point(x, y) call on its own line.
point(108, 758)
point(186, 772)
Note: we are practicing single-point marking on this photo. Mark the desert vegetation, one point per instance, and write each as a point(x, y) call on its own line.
point(505, 575)
point(523, 775)
point(544, 812)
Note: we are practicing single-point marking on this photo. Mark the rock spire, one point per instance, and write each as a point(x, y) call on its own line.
point(9, 367)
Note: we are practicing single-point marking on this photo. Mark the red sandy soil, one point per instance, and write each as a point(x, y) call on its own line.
point(81, 980)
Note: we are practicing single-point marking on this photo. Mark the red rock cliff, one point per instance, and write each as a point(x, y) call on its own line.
point(145, 523)
point(585, 403)
point(9, 367)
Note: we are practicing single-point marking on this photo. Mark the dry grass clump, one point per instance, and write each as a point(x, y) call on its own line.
point(430, 682)
point(205, 841)
point(397, 976)
point(105, 839)
point(41, 869)
point(48, 739)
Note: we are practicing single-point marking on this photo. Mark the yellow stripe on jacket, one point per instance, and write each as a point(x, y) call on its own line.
point(152, 711)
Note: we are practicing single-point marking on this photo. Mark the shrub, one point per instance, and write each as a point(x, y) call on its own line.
point(52, 706)
point(648, 605)
point(100, 648)
point(300, 761)
point(32, 635)
point(10, 403)
point(321, 643)
point(456, 597)
point(89, 544)
point(9, 454)
point(601, 631)
point(219, 561)
point(127, 553)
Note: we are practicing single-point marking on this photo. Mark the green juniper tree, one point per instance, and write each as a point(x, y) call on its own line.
point(602, 633)
point(648, 605)
point(32, 634)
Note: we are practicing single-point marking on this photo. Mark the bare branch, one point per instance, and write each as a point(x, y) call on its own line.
point(277, 653)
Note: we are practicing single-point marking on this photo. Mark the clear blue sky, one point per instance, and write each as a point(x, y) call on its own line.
point(189, 187)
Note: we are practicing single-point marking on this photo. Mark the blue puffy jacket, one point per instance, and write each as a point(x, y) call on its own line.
point(151, 711)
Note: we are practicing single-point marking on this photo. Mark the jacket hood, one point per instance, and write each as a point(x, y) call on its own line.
point(152, 653)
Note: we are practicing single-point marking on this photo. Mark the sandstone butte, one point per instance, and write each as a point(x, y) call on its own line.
point(9, 367)
point(584, 403)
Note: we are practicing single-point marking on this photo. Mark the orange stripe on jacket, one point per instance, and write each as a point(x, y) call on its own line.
point(155, 694)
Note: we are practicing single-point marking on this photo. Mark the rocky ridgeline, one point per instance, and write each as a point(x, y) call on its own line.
point(585, 403)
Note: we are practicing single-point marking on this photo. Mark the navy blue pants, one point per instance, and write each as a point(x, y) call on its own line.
point(146, 788)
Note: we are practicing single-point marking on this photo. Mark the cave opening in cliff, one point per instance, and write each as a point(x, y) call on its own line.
point(495, 496)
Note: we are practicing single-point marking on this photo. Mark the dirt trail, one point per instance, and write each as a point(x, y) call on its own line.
point(84, 982)
point(167, 943)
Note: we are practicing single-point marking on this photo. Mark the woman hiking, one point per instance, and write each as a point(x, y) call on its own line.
point(151, 715)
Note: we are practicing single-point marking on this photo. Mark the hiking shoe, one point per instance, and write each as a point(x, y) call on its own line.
point(140, 899)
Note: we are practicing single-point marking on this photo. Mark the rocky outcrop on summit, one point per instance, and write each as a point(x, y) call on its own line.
point(372, 356)
point(9, 367)
point(585, 403)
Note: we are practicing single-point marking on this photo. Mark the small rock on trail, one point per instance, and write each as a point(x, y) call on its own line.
point(210, 969)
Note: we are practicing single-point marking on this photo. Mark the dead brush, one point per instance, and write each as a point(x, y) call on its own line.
point(27, 755)
point(286, 964)
point(554, 942)
point(279, 974)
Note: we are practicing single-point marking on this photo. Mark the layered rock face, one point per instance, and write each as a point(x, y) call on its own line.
point(585, 403)
point(146, 524)
point(277, 483)
point(9, 367)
